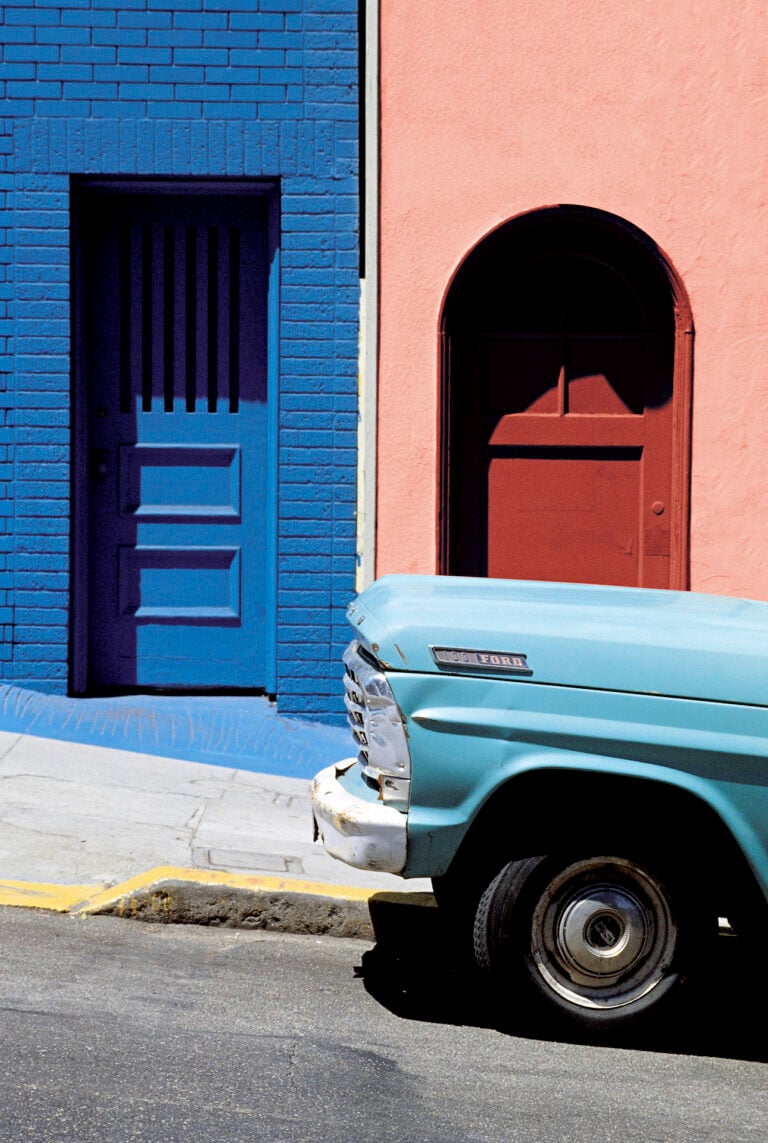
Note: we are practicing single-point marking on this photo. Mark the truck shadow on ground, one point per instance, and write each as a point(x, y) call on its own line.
point(419, 971)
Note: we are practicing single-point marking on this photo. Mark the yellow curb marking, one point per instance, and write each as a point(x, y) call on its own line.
point(218, 880)
point(39, 895)
point(84, 899)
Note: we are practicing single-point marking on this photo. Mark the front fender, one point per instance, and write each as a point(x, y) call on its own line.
point(463, 754)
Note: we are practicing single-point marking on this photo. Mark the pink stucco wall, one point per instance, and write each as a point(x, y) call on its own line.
point(654, 111)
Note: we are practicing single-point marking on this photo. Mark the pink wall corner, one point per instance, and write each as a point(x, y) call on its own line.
point(653, 112)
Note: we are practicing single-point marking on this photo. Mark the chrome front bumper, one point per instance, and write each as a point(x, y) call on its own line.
point(368, 835)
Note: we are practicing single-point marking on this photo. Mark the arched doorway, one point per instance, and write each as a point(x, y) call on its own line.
point(566, 406)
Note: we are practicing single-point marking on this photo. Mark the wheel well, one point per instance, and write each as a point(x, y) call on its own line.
point(564, 810)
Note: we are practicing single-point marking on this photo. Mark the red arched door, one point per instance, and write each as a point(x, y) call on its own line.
point(564, 456)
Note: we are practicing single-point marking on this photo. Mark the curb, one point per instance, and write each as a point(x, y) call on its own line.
point(171, 895)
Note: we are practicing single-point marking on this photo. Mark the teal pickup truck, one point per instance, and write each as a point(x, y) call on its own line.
point(581, 770)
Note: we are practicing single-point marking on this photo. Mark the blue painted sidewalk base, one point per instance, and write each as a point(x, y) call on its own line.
point(245, 733)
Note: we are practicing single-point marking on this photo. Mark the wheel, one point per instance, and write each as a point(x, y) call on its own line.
point(596, 941)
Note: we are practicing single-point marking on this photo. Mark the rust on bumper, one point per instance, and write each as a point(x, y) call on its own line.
point(368, 835)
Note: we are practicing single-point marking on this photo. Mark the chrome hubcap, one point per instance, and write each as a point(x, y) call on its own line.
point(603, 934)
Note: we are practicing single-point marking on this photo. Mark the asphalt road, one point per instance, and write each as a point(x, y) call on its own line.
point(115, 1030)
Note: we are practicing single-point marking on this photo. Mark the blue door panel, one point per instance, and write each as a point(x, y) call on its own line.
point(170, 584)
point(177, 434)
point(158, 481)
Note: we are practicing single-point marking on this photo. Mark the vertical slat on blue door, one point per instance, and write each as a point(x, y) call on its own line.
point(176, 328)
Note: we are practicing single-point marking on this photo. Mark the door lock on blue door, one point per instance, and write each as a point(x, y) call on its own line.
point(99, 462)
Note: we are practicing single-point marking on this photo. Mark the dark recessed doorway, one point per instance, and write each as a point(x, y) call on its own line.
point(566, 404)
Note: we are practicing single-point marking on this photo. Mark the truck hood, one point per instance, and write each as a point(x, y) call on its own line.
point(679, 644)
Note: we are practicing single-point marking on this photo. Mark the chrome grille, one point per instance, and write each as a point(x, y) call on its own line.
point(377, 726)
point(354, 701)
point(374, 717)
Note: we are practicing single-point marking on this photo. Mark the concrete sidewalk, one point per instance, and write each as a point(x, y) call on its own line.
point(87, 828)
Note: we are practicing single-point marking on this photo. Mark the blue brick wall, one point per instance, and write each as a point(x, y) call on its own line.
point(181, 87)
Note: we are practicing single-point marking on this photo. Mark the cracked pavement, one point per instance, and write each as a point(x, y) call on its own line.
point(72, 813)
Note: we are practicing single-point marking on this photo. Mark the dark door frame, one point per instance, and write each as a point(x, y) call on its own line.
point(78, 579)
point(682, 377)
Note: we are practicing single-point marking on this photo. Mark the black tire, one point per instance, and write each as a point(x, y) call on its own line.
point(595, 942)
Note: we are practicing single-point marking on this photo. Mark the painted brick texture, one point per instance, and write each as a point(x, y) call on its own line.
point(256, 88)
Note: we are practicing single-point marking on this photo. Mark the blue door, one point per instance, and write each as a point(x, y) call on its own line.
point(174, 354)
